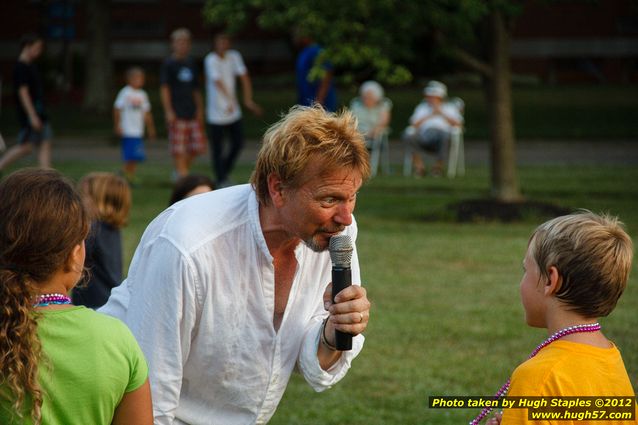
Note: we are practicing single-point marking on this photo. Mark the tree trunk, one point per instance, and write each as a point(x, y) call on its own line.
point(499, 96)
point(99, 69)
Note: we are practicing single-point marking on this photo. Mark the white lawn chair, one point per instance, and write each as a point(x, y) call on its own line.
point(456, 155)
point(380, 151)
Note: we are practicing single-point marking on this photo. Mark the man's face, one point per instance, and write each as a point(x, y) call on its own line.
point(182, 46)
point(222, 44)
point(36, 49)
point(321, 207)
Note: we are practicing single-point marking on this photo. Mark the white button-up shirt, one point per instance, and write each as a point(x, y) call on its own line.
point(200, 299)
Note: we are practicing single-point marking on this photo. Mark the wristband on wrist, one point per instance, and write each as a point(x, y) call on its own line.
point(324, 341)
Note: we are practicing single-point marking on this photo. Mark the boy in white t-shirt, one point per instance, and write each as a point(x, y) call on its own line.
point(223, 113)
point(131, 114)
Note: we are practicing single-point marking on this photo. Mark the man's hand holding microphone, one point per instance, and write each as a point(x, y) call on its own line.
point(347, 304)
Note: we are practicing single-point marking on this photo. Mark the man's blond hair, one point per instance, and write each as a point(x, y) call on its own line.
point(593, 255)
point(304, 136)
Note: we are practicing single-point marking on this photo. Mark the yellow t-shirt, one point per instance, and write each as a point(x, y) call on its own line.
point(569, 369)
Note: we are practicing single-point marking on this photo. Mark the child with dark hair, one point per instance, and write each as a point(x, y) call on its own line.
point(575, 270)
point(108, 200)
point(59, 363)
point(190, 185)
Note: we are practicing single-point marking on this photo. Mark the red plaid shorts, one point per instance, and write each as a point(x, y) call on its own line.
point(186, 137)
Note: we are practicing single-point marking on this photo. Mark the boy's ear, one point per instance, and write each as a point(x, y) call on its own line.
point(554, 281)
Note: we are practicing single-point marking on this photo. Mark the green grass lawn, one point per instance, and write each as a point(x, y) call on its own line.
point(446, 316)
point(540, 111)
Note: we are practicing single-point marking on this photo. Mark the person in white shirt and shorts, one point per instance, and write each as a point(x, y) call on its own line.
point(131, 115)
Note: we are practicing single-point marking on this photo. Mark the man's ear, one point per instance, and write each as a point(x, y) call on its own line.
point(554, 281)
point(275, 190)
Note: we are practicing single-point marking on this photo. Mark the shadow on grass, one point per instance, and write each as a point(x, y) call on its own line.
point(451, 202)
point(480, 210)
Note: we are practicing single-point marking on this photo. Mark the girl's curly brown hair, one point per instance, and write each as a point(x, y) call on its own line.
point(42, 219)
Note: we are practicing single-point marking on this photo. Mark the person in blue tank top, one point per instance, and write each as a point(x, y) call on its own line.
point(312, 89)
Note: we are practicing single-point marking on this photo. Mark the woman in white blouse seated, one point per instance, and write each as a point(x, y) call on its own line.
point(372, 110)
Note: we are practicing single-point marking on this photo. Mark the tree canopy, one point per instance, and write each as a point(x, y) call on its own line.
point(376, 39)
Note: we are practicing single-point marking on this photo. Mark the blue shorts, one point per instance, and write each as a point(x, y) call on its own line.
point(133, 149)
point(29, 135)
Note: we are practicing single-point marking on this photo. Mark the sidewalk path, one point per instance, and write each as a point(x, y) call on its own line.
point(528, 152)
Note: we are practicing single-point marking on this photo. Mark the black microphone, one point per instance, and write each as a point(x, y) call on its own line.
point(340, 248)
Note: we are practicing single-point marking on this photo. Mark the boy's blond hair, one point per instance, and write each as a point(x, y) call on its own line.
point(593, 255)
point(304, 136)
point(107, 197)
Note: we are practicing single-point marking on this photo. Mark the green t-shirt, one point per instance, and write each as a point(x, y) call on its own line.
point(91, 361)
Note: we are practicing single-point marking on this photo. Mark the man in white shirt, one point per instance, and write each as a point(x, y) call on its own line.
point(223, 113)
point(228, 291)
point(431, 126)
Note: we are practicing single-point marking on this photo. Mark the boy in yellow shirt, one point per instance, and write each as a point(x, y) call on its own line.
point(576, 269)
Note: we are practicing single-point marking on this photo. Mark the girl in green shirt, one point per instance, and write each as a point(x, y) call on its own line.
point(59, 363)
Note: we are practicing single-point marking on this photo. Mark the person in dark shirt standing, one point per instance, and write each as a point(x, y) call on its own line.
point(183, 103)
point(35, 129)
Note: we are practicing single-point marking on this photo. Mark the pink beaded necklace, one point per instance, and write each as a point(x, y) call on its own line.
point(46, 299)
point(590, 327)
